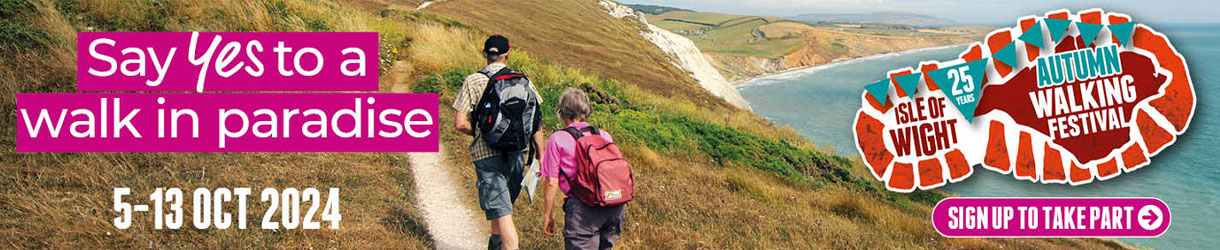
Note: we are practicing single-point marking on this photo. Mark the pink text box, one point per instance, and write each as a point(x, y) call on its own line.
point(180, 74)
point(389, 113)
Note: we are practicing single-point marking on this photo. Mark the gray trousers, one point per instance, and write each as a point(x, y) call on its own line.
point(586, 227)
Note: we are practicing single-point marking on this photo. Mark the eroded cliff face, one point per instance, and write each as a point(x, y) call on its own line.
point(741, 68)
point(685, 55)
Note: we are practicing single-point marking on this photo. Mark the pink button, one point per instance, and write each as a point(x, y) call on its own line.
point(1051, 217)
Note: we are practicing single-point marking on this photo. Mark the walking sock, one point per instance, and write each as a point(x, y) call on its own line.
point(494, 243)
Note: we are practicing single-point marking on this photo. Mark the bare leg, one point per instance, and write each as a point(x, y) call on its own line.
point(504, 227)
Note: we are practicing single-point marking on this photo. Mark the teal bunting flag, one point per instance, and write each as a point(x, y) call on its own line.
point(879, 90)
point(1033, 36)
point(1007, 54)
point(909, 83)
point(1122, 31)
point(1088, 32)
point(962, 83)
point(1057, 27)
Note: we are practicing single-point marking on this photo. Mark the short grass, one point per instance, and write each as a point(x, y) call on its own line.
point(700, 17)
point(740, 32)
point(763, 49)
point(674, 25)
point(784, 29)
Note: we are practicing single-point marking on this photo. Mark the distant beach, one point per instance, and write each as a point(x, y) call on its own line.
point(800, 71)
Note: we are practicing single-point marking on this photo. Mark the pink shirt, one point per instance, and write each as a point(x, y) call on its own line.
point(560, 154)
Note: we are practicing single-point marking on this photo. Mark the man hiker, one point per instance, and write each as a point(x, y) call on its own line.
point(494, 107)
point(583, 163)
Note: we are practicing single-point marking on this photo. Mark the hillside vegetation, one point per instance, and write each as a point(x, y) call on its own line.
point(708, 175)
point(580, 33)
point(63, 200)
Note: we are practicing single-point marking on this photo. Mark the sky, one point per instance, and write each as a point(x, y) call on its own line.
point(962, 11)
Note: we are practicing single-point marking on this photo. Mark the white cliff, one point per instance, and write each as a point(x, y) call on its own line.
point(686, 55)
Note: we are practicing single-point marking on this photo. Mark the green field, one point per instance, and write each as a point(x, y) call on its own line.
point(728, 34)
point(701, 17)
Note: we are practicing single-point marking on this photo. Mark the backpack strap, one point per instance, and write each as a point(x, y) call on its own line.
point(509, 75)
point(576, 135)
point(492, 76)
point(487, 89)
point(532, 151)
point(490, 80)
point(574, 132)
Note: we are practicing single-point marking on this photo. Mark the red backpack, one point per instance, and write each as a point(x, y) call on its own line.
point(603, 177)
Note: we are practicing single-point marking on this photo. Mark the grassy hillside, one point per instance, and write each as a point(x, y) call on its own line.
point(62, 200)
point(709, 175)
point(601, 43)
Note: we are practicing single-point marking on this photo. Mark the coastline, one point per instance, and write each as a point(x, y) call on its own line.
point(799, 71)
point(790, 74)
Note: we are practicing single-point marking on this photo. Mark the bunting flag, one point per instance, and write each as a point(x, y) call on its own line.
point(879, 90)
point(894, 140)
point(908, 83)
point(1057, 27)
point(1088, 32)
point(1033, 36)
point(962, 83)
point(1122, 31)
point(1007, 54)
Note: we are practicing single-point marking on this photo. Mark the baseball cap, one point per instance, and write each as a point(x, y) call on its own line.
point(496, 44)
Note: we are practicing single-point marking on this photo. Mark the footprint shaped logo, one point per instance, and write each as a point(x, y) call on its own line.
point(1059, 98)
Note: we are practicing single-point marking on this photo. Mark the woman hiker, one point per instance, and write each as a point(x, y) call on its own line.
point(585, 227)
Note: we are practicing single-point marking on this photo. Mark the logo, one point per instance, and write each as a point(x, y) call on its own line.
point(614, 194)
point(1060, 98)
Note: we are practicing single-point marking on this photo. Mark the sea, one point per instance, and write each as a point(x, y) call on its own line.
point(820, 103)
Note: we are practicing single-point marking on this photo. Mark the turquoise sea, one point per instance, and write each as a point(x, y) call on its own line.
point(821, 102)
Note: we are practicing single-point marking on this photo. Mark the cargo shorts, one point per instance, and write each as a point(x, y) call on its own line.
point(499, 183)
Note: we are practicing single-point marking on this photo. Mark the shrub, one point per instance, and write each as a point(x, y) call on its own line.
point(15, 30)
point(449, 81)
point(664, 128)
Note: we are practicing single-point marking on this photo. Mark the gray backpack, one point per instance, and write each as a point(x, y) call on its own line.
point(507, 114)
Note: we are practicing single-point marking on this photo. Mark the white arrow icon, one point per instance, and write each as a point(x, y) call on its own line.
point(1150, 217)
